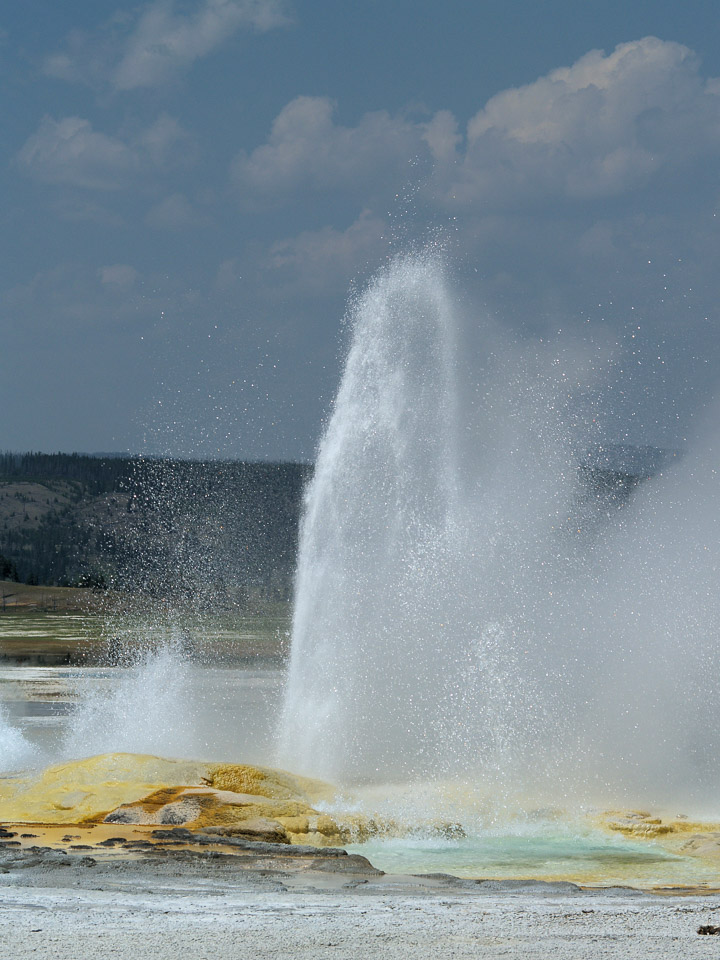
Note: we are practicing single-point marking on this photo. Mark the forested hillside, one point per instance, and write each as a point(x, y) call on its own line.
point(203, 532)
point(210, 530)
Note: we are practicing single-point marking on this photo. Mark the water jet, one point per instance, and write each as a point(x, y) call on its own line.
point(466, 607)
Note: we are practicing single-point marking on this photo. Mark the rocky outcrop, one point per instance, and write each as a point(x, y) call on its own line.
point(705, 845)
point(235, 799)
point(226, 813)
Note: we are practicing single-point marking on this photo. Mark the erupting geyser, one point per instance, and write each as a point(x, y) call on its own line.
point(14, 748)
point(426, 531)
point(467, 605)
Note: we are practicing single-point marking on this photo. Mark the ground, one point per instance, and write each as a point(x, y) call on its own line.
point(204, 909)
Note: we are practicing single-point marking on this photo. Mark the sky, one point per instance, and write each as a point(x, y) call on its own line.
point(192, 188)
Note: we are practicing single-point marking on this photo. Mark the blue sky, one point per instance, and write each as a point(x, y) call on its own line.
point(191, 188)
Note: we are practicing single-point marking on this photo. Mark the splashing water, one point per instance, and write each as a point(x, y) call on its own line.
point(15, 751)
point(150, 710)
point(465, 604)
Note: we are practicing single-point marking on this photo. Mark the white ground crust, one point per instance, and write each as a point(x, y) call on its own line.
point(201, 919)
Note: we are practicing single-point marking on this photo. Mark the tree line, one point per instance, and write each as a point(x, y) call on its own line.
point(208, 532)
point(201, 529)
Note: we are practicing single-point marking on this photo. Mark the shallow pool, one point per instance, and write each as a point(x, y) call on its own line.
point(585, 856)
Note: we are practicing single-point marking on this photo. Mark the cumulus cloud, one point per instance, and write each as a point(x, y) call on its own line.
point(307, 148)
point(569, 190)
point(588, 195)
point(605, 125)
point(165, 42)
point(69, 151)
point(552, 183)
point(609, 123)
point(156, 45)
point(442, 137)
point(567, 193)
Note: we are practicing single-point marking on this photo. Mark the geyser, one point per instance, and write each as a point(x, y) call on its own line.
point(436, 506)
point(14, 748)
point(466, 605)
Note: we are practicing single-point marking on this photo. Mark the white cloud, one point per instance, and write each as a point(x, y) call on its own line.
point(164, 42)
point(69, 151)
point(442, 137)
point(603, 126)
point(153, 47)
point(306, 147)
point(574, 196)
point(62, 67)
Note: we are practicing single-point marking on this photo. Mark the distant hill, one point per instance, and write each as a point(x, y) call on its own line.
point(203, 532)
point(212, 531)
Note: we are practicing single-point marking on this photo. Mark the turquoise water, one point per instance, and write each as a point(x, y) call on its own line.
point(587, 858)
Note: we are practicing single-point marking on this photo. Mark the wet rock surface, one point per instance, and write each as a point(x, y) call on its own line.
point(130, 812)
point(165, 892)
point(180, 852)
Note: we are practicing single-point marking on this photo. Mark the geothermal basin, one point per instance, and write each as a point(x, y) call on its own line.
point(64, 712)
point(502, 659)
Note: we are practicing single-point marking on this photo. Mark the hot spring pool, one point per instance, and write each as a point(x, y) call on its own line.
point(589, 857)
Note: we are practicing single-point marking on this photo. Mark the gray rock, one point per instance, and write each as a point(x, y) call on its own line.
point(529, 886)
point(352, 863)
point(258, 828)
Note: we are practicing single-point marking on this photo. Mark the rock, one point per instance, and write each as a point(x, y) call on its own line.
point(123, 815)
point(181, 836)
point(640, 825)
point(70, 800)
point(352, 863)
point(257, 803)
point(702, 845)
point(670, 832)
point(324, 824)
point(177, 835)
point(295, 824)
point(263, 781)
point(529, 886)
point(85, 790)
point(242, 814)
point(258, 828)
